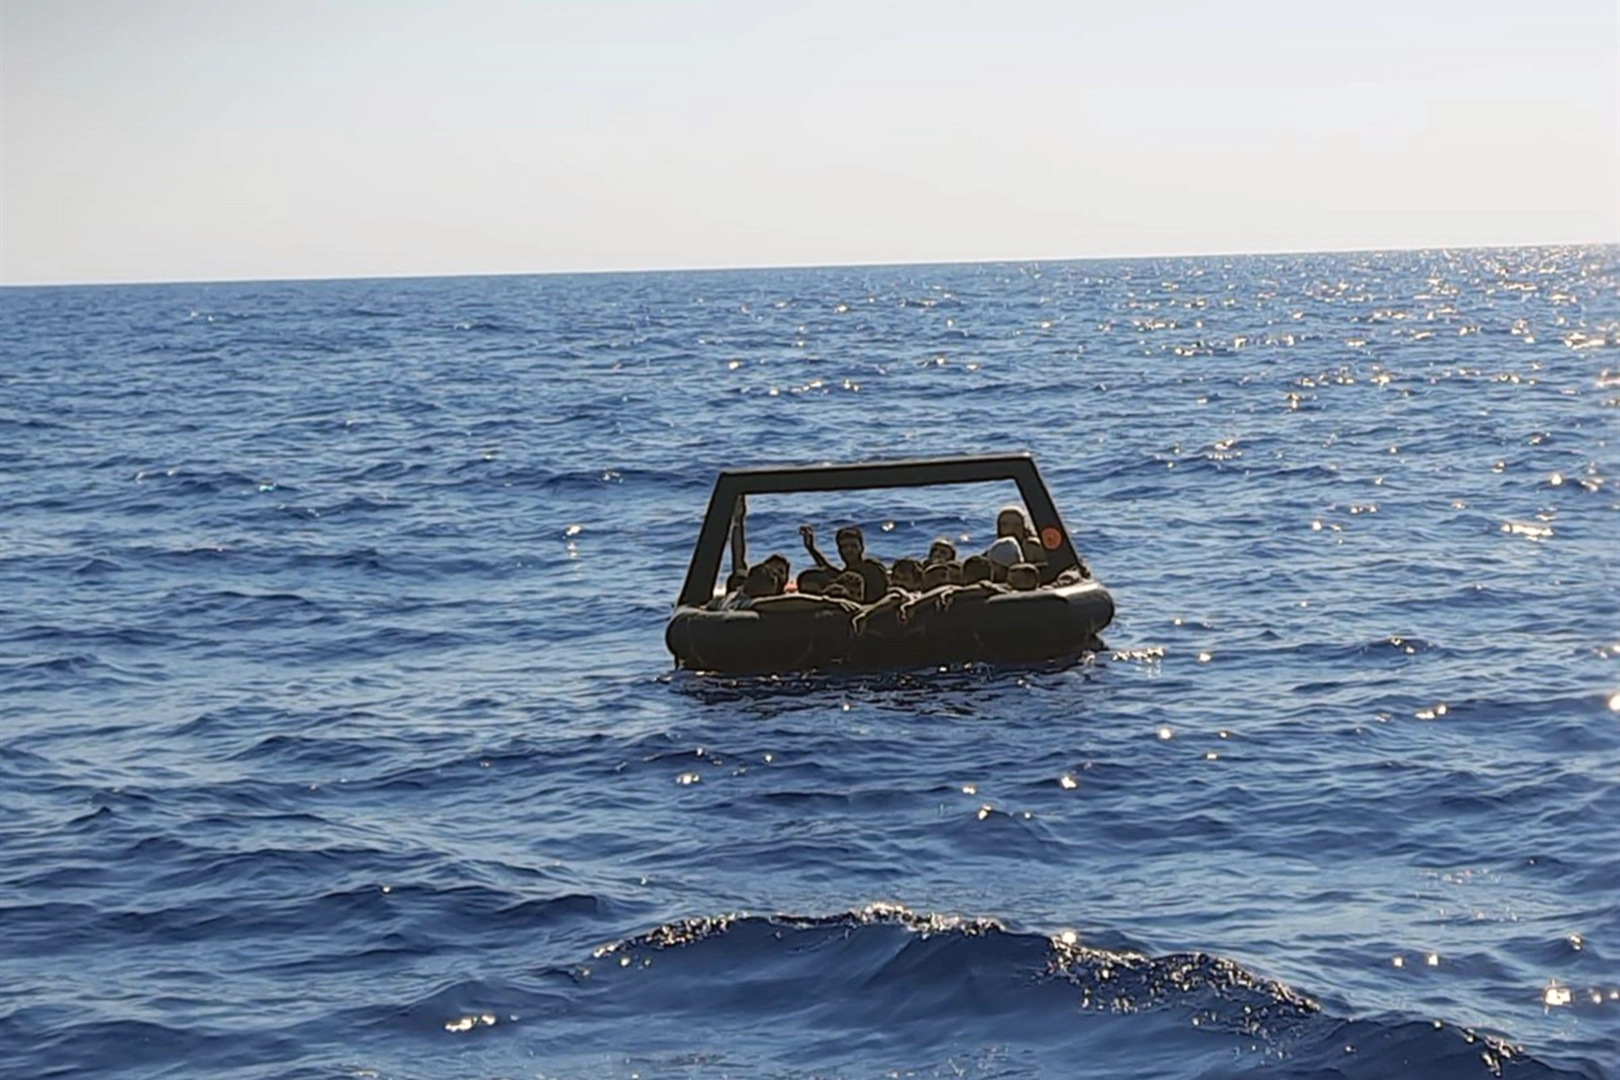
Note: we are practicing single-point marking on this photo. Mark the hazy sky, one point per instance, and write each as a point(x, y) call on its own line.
point(147, 140)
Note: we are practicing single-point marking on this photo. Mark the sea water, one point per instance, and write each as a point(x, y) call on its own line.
point(338, 737)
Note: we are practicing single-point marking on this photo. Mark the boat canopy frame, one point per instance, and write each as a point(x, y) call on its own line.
point(728, 503)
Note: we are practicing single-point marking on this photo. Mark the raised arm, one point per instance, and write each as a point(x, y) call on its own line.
point(739, 538)
point(807, 533)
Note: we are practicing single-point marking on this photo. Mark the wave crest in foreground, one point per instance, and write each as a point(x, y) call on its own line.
point(887, 989)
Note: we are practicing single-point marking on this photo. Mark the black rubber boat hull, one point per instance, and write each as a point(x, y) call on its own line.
point(1012, 628)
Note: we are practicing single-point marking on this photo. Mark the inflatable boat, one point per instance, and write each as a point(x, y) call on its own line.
point(1059, 619)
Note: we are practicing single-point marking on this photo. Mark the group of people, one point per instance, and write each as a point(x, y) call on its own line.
point(875, 594)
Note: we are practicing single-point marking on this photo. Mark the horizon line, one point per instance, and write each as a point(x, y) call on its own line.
point(767, 267)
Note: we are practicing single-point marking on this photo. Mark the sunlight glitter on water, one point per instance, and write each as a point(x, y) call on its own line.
point(1528, 530)
point(467, 1023)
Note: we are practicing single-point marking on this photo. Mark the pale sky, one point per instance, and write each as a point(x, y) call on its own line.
point(163, 140)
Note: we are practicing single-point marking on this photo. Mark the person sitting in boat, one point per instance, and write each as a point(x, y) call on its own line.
point(940, 551)
point(1013, 523)
point(781, 572)
point(758, 583)
point(781, 569)
point(947, 585)
point(976, 588)
point(848, 585)
point(762, 593)
point(882, 616)
point(977, 568)
point(852, 549)
point(813, 580)
point(1023, 577)
point(907, 575)
point(941, 584)
point(1005, 552)
point(935, 601)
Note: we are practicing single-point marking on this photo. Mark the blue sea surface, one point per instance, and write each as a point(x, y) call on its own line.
point(338, 737)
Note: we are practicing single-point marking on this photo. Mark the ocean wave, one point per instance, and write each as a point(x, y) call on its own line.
point(336, 704)
point(905, 988)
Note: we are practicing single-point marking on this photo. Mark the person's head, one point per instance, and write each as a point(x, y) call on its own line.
point(813, 581)
point(853, 585)
point(1010, 521)
point(780, 567)
point(761, 581)
point(907, 573)
point(851, 543)
point(1024, 576)
point(1004, 552)
point(941, 550)
point(936, 574)
point(975, 568)
point(1033, 551)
